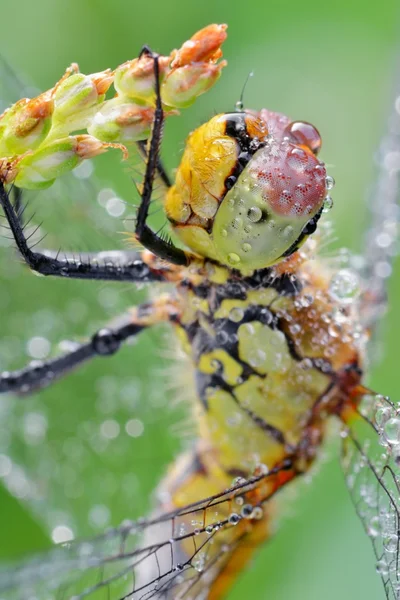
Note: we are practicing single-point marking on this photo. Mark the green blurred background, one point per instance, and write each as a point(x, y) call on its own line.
point(328, 62)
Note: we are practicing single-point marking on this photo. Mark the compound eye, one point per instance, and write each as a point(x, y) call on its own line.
point(304, 134)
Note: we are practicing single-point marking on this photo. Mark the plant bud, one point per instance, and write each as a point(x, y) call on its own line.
point(203, 46)
point(39, 169)
point(135, 78)
point(121, 120)
point(26, 124)
point(184, 84)
point(76, 99)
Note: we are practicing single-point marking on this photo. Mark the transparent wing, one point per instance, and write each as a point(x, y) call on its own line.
point(371, 446)
point(175, 555)
point(380, 244)
point(77, 453)
point(370, 460)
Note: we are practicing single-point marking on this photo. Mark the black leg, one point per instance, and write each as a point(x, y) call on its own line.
point(109, 266)
point(161, 171)
point(105, 342)
point(162, 248)
point(18, 208)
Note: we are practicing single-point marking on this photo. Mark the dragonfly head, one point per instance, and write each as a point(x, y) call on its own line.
point(250, 189)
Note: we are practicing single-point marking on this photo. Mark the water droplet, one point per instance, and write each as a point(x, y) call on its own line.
point(247, 511)
point(258, 512)
point(382, 568)
point(115, 206)
point(375, 527)
point(288, 231)
point(344, 286)
point(233, 258)
point(295, 328)
point(382, 415)
point(383, 269)
point(239, 106)
point(222, 337)
point(34, 427)
point(38, 347)
point(237, 223)
point(392, 430)
point(238, 480)
point(254, 214)
point(306, 300)
point(224, 233)
point(234, 519)
point(328, 203)
point(390, 542)
point(209, 529)
point(199, 562)
point(62, 533)
point(334, 329)
point(246, 247)
point(134, 428)
point(329, 182)
point(110, 429)
point(261, 469)
point(99, 515)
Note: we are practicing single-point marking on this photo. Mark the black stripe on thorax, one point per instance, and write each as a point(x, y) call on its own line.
point(236, 288)
point(216, 381)
point(226, 338)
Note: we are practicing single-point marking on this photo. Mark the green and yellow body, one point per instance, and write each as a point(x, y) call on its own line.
point(272, 354)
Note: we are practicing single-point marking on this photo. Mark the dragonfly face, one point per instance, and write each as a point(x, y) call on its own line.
point(246, 197)
point(275, 341)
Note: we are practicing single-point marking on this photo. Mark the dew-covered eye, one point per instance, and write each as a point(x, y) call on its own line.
point(274, 205)
point(304, 134)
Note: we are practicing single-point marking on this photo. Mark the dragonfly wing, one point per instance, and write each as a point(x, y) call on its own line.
point(380, 238)
point(370, 460)
point(176, 555)
point(79, 216)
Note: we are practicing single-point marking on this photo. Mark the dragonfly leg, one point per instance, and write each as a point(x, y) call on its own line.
point(144, 234)
point(142, 145)
point(161, 170)
point(104, 342)
point(109, 265)
point(17, 203)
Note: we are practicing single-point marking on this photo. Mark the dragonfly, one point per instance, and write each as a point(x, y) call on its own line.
point(278, 341)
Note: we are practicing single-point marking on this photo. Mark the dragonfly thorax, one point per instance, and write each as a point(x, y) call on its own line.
point(267, 369)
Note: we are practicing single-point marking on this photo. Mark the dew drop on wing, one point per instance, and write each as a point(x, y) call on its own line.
point(169, 556)
point(370, 450)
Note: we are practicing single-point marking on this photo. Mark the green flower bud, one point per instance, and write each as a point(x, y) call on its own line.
point(184, 84)
point(135, 78)
point(39, 169)
point(121, 120)
point(26, 125)
point(76, 99)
